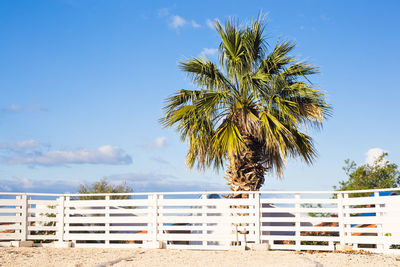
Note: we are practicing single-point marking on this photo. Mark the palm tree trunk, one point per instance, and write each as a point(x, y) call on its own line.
point(246, 173)
point(246, 170)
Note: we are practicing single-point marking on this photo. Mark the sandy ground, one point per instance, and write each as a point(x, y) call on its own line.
point(75, 257)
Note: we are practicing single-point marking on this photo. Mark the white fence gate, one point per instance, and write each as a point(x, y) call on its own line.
point(307, 220)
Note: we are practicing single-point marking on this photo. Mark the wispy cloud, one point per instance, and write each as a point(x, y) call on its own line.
point(177, 22)
point(159, 142)
point(14, 108)
point(140, 182)
point(24, 184)
point(163, 12)
point(208, 52)
point(195, 24)
point(211, 23)
point(154, 182)
point(109, 155)
point(19, 144)
point(102, 155)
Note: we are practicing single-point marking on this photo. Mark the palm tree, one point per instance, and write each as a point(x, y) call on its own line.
point(251, 110)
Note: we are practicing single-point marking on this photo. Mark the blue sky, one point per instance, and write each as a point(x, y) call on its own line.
point(83, 83)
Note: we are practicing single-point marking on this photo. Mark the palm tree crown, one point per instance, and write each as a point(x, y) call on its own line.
point(250, 110)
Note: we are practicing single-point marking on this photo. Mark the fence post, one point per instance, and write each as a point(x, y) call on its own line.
point(66, 214)
point(60, 220)
point(107, 216)
point(341, 225)
point(204, 216)
point(154, 218)
point(257, 218)
point(298, 221)
point(346, 214)
point(24, 217)
point(380, 242)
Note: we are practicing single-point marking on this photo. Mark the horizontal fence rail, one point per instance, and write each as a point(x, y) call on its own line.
point(286, 220)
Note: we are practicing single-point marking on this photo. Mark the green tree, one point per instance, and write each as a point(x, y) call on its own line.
point(103, 186)
point(250, 110)
point(381, 174)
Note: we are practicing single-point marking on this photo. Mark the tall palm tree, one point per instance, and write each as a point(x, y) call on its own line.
point(250, 111)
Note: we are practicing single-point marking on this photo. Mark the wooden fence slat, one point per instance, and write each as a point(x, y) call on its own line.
point(111, 211)
point(95, 219)
point(110, 237)
point(111, 202)
point(300, 210)
point(112, 228)
point(301, 200)
point(190, 223)
point(8, 210)
point(14, 226)
point(10, 219)
point(301, 219)
point(11, 202)
point(42, 202)
point(302, 229)
point(206, 202)
point(7, 236)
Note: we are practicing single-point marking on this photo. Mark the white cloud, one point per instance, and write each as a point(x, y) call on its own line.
point(211, 23)
point(153, 182)
point(20, 144)
point(18, 108)
point(373, 154)
point(102, 155)
point(208, 52)
point(16, 184)
point(4, 187)
point(140, 182)
point(195, 24)
point(177, 22)
point(26, 183)
point(13, 108)
point(163, 12)
point(159, 142)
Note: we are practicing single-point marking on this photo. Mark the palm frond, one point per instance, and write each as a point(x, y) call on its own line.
point(254, 42)
point(227, 139)
point(278, 58)
point(205, 74)
point(232, 51)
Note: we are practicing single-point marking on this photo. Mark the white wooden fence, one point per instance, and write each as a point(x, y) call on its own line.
point(307, 220)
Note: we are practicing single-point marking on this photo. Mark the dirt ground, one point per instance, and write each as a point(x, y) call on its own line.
point(79, 257)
